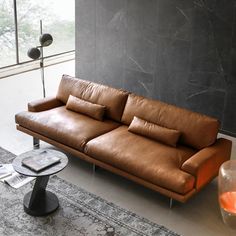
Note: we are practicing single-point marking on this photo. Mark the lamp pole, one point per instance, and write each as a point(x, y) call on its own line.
point(36, 53)
point(42, 61)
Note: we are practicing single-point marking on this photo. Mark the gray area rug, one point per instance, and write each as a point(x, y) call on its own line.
point(80, 213)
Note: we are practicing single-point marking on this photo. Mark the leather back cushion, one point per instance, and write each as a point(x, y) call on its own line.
point(95, 111)
point(197, 130)
point(113, 99)
point(154, 131)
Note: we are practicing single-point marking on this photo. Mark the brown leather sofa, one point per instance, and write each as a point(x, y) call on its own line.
point(166, 148)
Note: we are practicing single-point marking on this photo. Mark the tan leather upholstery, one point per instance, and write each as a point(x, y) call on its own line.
point(154, 131)
point(113, 99)
point(177, 172)
point(197, 130)
point(152, 161)
point(205, 164)
point(65, 126)
point(95, 111)
point(83, 156)
point(44, 104)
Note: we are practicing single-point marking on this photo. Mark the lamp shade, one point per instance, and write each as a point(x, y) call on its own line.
point(45, 40)
point(33, 53)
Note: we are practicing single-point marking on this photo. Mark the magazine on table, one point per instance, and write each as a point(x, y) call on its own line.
point(41, 161)
point(10, 176)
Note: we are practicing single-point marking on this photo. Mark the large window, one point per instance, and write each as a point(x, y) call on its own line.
point(16, 38)
point(7, 33)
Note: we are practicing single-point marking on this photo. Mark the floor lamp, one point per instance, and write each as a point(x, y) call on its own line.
point(37, 52)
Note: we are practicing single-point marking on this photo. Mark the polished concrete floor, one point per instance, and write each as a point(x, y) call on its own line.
point(200, 216)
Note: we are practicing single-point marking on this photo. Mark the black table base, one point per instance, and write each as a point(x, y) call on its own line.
point(39, 201)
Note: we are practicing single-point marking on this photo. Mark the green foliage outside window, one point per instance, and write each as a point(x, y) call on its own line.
point(29, 13)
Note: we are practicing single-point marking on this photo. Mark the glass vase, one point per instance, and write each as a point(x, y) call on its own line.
point(227, 192)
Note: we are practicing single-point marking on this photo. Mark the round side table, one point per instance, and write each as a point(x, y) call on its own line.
point(39, 201)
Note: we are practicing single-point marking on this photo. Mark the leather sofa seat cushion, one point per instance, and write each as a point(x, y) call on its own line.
point(145, 158)
point(95, 111)
point(113, 99)
point(197, 130)
point(153, 131)
point(65, 126)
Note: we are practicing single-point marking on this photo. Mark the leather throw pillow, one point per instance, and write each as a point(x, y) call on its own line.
point(95, 111)
point(154, 131)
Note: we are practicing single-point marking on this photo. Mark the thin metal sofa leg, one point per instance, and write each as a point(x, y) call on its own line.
point(94, 168)
point(171, 202)
point(36, 144)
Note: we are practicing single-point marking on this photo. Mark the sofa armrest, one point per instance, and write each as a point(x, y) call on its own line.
point(205, 164)
point(44, 104)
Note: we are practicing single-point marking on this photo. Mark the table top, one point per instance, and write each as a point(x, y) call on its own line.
point(17, 162)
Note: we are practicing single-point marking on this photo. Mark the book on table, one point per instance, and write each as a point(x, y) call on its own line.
point(40, 161)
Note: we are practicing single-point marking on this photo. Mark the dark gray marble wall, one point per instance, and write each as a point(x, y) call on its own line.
point(179, 51)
